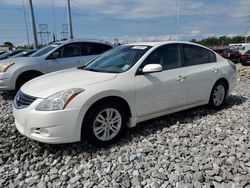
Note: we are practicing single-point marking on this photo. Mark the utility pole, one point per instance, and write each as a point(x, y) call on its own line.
point(70, 22)
point(26, 25)
point(54, 15)
point(177, 19)
point(248, 28)
point(35, 45)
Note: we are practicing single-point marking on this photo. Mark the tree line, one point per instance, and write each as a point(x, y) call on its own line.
point(221, 41)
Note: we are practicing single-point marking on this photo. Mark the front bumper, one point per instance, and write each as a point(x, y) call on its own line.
point(5, 82)
point(52, 127)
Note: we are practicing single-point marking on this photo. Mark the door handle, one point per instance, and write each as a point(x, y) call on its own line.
point(181, 78)
point(214, 69)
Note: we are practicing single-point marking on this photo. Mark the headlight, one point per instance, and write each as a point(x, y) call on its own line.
point(4, 67)
point(58, 101)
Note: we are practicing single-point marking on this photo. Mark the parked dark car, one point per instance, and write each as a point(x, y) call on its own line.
point(8, 54)
point(2, 52)
point(245, 58)
point(228, 53)
point(24, 53)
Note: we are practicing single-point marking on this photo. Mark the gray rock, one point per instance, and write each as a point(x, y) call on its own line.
point(75, 179)
point(197, 184)
point(185, 149)
point(154, 185)
point(159, 175)
point(53, 171)
point(135, 181)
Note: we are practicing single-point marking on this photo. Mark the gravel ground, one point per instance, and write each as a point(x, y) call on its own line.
point(195, 148)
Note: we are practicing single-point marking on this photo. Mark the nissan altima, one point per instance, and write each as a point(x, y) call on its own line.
point(124, 86)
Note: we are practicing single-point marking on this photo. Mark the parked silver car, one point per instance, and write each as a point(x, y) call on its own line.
point(60, 55)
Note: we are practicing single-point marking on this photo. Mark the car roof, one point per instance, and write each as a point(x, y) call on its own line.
point(161, 43)
point(83, 40)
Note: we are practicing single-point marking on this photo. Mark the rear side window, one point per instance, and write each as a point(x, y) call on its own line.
point(90, 48)
point(168, 56)
point(195, 55)
point(69, 50)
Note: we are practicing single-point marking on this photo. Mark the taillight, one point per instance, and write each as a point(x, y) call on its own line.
point(221, 54)
point(242, 56)
point(232, 64)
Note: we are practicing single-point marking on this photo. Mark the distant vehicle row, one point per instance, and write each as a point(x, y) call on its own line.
point(245, 58)
point(233, 54)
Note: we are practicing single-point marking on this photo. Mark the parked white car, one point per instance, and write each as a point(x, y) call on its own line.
point(60, 55)
point(125, 86)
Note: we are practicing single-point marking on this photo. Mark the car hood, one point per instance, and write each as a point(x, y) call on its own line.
point(19, 60)
point(49, 84)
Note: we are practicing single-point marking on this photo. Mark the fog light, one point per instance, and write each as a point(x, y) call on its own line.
point(36, 130)
point(41, 131)
point(44, 132)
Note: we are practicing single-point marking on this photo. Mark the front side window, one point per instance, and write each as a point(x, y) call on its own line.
point(168, 56)
point(195, 55)
point(118, 60)
point(44, 50)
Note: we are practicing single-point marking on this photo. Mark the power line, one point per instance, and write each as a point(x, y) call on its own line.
point(44, 34)
point(65, 31)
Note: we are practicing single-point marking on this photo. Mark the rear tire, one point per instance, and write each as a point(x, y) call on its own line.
point(104, 124)
point(218, 95)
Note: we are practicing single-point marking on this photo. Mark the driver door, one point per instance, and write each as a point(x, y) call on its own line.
point(68, 56)
point(161, 91)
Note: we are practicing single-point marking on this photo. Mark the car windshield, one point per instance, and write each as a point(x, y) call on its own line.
point(118, 60)
point(44, 50)
point(19, 54)
point(248, 52)
point(4, 54)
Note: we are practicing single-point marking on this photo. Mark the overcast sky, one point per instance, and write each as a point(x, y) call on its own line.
point(127, 19)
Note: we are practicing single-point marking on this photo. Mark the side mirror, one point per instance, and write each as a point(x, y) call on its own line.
point(54, 55)
point(151, 68)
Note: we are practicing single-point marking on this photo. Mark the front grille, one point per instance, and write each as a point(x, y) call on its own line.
point(23, 100)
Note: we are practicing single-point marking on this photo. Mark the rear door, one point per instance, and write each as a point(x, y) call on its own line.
point(69, 56)
point(201, 72)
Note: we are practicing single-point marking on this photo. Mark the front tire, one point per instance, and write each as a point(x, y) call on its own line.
point(22, 79)
point(104, 124)
point(218, 95)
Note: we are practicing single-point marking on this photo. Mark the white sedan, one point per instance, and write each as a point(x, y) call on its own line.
point(124, 86)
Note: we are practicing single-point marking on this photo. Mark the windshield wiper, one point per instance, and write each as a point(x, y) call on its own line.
point(92, 69)
point(81, 67)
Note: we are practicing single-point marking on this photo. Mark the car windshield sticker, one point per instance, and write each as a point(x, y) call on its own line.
point(139, 47)
point(125, 67)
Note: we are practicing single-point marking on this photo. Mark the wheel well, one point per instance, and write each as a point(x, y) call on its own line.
point(110, 99)
point(225, 81)
point(31, 73)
